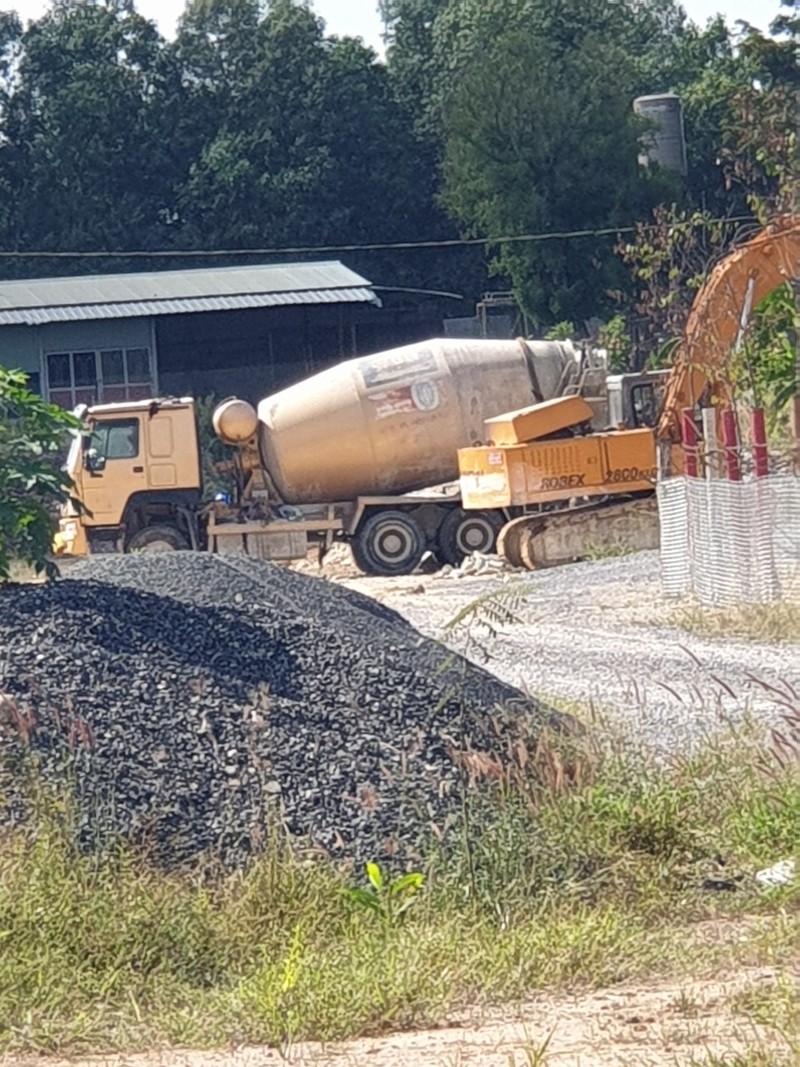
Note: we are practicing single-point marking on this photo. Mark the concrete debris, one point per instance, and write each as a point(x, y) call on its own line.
point(477, 564)
point(783, 873)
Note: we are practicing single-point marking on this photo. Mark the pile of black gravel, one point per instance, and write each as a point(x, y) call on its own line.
point(187, 700)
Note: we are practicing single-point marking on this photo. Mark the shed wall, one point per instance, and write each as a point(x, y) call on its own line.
point(19, 348)
point(94, 334)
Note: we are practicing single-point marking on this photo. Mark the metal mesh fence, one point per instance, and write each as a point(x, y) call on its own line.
point(731, 542)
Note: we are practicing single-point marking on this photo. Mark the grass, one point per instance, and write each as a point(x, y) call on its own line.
point(594, 553)
point(778, 621)
point(756, 1056)
point(22, 572)
point(579, 870)
point(774, 1004)
point(773, 1008)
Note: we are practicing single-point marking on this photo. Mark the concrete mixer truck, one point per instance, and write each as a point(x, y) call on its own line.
point(361, 452)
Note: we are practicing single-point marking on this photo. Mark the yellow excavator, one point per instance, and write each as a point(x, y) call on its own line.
point(570, 491)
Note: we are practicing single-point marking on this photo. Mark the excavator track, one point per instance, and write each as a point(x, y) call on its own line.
point(555, 538)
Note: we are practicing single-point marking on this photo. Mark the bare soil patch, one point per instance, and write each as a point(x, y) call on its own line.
point(666, 1024)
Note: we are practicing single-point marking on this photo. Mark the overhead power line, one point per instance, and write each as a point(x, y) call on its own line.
point(456, 242)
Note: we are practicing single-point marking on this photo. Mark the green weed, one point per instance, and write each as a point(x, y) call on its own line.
point(613, 550)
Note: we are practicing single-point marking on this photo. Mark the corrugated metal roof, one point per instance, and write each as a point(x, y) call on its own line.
point(37, 316)
point(113, 296)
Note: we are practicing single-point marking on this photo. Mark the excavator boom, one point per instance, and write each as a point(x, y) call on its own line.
point(720, 311)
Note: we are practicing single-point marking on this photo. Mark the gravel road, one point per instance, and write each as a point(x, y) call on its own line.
point(594, 633)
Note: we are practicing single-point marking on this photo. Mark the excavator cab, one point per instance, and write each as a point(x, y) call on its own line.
point(635, 400)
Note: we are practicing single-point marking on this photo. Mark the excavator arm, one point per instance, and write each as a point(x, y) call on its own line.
point(738, 283)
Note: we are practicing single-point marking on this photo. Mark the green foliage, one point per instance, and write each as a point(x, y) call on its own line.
point(540, 139)
point(585, 871)
point(276, 112)
point(252, 128)
point(212, 449)
point(389, 899)
point(669, 258)
point(475, 626)
point(761, 149)
point(562, 331)
point(85, 142)
point(608, 551)
point(614, 337)
point(769, 623)
point(255, 128)
point(770, 350)
point(32, 436)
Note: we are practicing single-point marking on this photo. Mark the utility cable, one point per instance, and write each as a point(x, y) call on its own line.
point(456, 242)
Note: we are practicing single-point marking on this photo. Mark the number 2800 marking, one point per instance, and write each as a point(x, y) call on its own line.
point(630, 474)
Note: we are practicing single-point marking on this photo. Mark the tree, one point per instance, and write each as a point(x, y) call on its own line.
point(10, 43)
point(669, 256)
point(721, 75)
point(497, 90)
point(32, 435)
point(301, 142)
point(536, 144)
point(85, 138)
point(412, 57)
point(757, 148)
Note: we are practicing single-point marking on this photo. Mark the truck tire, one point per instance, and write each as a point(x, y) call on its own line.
point(157, 539)
point(388, 543)
point(464, 532)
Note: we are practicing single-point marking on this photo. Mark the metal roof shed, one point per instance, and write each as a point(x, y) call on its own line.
point(109, 337)
point(40, 300)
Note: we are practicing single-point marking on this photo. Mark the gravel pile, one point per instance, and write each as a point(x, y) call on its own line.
point(187, 699)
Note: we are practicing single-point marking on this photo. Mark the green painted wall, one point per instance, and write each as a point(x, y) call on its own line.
point(19, 348)
point(22, 347)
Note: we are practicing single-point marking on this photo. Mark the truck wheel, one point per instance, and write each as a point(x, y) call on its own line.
point(388, 543)
point(464, 532)
point(157, 539)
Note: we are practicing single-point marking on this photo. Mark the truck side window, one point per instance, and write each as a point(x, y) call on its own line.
point(116, 440)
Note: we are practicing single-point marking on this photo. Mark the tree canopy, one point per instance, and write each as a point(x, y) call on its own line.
point(492, 119)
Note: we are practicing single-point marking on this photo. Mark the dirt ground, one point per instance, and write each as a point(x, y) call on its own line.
point(660, 1025)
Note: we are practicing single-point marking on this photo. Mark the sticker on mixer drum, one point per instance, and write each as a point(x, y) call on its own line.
point(425, 394)
point(483, 484)
point(392, 402)
point(393, 370)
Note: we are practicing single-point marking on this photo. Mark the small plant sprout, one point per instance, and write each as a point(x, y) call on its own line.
point(388, 899)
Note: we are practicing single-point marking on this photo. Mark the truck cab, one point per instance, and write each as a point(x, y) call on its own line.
point(137, 473)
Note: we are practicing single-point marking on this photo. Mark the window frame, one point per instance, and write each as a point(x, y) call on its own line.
point(639, 389)
point(100, 386)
